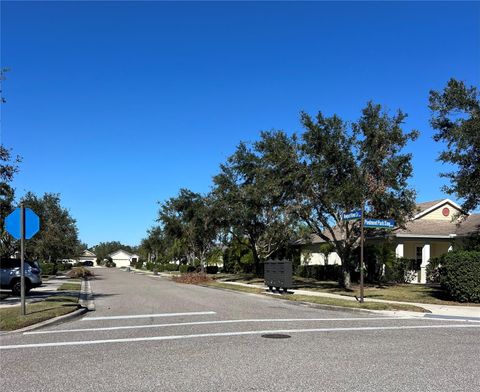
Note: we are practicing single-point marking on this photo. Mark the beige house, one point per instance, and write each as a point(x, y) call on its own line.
point(122, 258)
point(438, 227)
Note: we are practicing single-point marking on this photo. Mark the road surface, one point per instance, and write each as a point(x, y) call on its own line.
point(150, 334)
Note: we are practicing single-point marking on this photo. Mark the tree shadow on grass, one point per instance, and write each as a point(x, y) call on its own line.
point(72, 305)
point(308, 283)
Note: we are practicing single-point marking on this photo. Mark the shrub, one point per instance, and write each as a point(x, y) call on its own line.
point(212, 269)
point(47, 268)
point(110, 264)
point(460, 275)
point(79, 272)
point(185, 268)
point(64, 266)
point(150, 266)
point(191, 278)
point(320, 272)
point(171, 267)
point(138, 264)
point(401, 270)
point(166, 267)
point(433, 269)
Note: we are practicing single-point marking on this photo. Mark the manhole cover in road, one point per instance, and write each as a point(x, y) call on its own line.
point(275, 336)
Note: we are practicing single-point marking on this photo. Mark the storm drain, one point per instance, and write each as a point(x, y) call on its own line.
point(275, 336)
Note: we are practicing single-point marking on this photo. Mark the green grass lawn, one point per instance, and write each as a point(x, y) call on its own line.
point(394, 292)
point(70, 286)
point(11, 318)
point(321, 300)
point(244, 289)
point(354, 304)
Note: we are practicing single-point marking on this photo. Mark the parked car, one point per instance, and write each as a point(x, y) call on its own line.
point(88, 263)
point(10, 275)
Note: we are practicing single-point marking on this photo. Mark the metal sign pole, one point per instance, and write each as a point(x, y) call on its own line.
point(361, 251)
point(22, 257)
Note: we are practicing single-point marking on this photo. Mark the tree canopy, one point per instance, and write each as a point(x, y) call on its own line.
point(339, 167)
point(8, 169)
point(103, 249)
point(58, 235)
point(456, 118)
point(248, 199)
point(189, 223)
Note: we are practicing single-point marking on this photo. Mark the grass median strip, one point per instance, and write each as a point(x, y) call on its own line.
point(69, 286)
point(54, 306)
point(322, 300)
point(228, 286)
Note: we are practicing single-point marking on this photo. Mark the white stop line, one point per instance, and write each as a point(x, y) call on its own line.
point(224, 334)
point(54, 331)
point(135, 316)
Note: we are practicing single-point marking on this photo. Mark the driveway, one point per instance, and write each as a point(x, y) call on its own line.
point(150, 334)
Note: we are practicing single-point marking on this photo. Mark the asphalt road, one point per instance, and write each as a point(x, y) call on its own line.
point(149, 334)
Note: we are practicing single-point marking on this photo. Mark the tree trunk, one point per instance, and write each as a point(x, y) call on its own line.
point(346, 281)
point(256, 258)
point(256, 261)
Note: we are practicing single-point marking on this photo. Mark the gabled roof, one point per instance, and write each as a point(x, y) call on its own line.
point(470, 225)
point(421, 207)
point(121, 250)
point(88, 253)
point(429, 206)
point(425, 227)
point(439, 228)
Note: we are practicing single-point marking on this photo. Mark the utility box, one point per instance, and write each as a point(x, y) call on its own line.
point(278, 274)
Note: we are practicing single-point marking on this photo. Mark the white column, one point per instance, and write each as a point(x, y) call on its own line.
point(425, 260)
point(399, 250)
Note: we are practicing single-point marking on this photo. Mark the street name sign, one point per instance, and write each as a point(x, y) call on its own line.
point(352, 215)
point(379, 223)
point(13, 224)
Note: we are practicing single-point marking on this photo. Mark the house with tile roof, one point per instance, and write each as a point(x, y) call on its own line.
point(437, 227)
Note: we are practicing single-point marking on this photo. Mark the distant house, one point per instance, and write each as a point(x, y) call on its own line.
point(87, 256)
point(438, 227)
point(122, 258)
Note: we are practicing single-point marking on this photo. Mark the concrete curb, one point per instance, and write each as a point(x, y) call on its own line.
point(399, 313)
point(85, 301)
point(86, 295)
point(298, 303)
point(49, 322)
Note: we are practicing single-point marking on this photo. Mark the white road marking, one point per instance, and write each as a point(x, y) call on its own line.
point(223, 334)
point(134, 316)
point(211, 322)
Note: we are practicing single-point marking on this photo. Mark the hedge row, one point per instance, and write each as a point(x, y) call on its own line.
point(459, 275)
point(162, 267)
point(52, 268)
point(184, 268)
point(320, 272)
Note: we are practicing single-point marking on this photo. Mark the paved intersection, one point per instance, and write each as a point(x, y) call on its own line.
point(149, 334)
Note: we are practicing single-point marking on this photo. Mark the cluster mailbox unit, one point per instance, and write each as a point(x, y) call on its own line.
point(278, 274)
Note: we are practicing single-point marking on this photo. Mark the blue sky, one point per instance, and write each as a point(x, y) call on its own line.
point(118, 105)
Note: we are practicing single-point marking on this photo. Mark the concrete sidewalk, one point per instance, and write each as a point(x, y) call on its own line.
point(439, 310)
